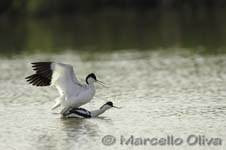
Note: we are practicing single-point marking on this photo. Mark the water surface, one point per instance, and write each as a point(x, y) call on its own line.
point(166, 69)
point(162, 93)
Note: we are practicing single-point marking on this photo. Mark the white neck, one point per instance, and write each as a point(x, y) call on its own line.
point(92, 87)
point(91, 84)
point(90, 81)
point(98, 112)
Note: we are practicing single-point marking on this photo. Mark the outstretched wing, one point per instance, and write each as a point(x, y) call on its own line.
point(58, 74)
point(43, 74)
point(64, 79)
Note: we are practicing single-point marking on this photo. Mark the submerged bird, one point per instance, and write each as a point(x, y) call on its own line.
point(83, 113)
point(62, 76)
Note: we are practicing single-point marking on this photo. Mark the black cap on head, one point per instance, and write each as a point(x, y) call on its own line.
point(91, 75)
point(109, 103)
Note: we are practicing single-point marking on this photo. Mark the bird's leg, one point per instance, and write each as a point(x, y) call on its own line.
point(65, 111)
point(58, 101)
point(55, 106)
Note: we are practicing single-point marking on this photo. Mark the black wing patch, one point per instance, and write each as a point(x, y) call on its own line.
point(43, 74)
point(78, 111)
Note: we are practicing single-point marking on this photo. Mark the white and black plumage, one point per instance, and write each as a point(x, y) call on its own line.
point(62, 76)
point(83, 113)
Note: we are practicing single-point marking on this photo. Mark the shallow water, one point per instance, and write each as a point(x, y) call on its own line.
point(161, 93)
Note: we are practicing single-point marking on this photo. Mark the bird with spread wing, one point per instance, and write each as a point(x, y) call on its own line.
point(73, 94)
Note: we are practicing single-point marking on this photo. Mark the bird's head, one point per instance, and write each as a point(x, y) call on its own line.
point(91, 78)
point(108, 105)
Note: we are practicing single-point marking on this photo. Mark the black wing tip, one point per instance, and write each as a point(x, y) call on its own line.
point(37, 64)
point(38, 80)
point(41, 62)
point(42, 76)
